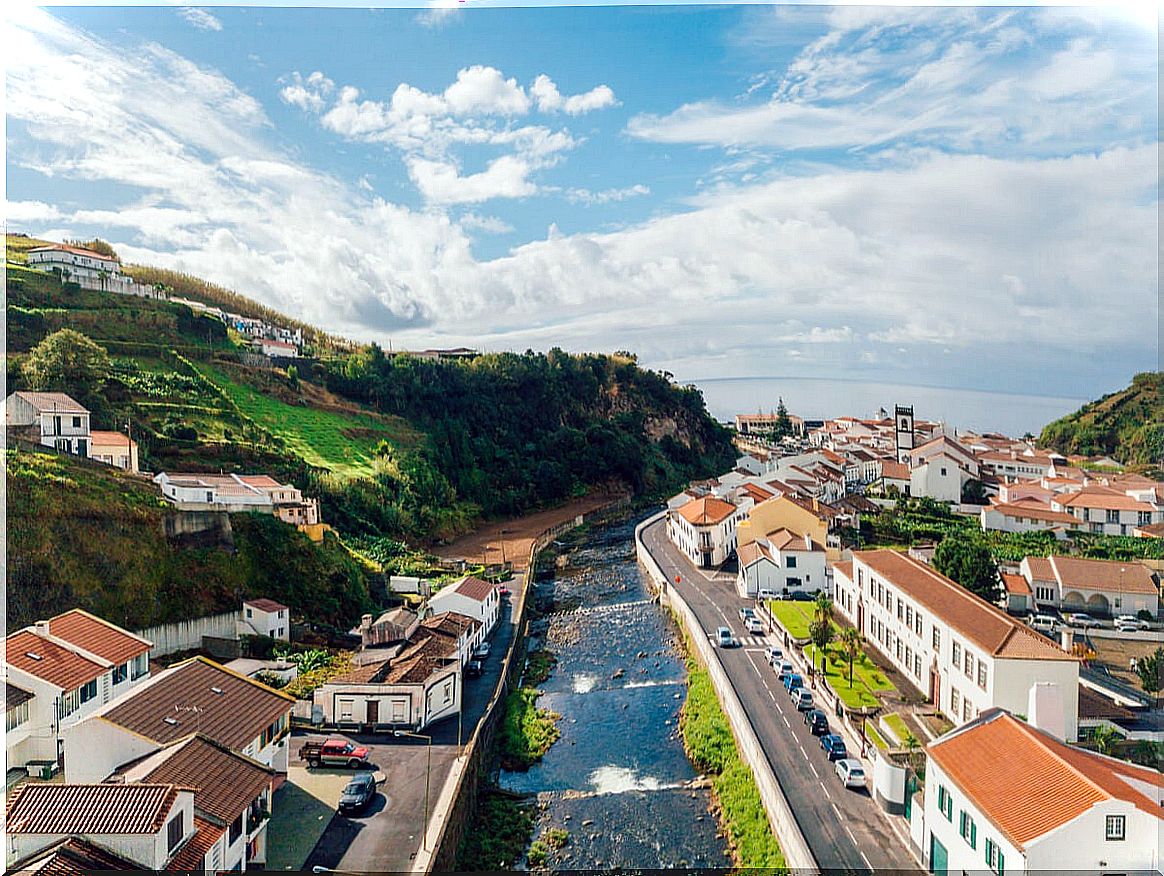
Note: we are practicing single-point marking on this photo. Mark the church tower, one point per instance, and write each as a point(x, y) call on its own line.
point(903, 426)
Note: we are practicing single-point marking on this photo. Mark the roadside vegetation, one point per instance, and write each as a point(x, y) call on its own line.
point(497, 837)
point(527, 732)
point(539, 666)
point(1127, 425)
point(712, 749)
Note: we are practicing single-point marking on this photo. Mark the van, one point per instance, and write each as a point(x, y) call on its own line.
point(767, 594)
point(1044, 623)
point(724, 637)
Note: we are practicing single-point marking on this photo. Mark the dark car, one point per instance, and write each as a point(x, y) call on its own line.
point(792, 682)
point(818, 721)
point(473, 669)
point(834, 746)
point(801, 596)
point(358, 793)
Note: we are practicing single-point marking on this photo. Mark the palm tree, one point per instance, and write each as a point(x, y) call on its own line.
point(1105, 736)
point(851, 643)
point(821, 628)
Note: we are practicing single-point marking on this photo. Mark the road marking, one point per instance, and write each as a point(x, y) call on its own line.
point(813, 768)
point(786, 724)
point(866, 860)
point(853, 838)
point(802, 751)
point(826, 790)
point(836, 810)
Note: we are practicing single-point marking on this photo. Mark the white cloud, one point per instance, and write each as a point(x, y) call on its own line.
point(442, 183)
point(26, 212)
point(199, 17)
point(549, 99)
point(488, 224)
point(307, 93)
point(606, 196)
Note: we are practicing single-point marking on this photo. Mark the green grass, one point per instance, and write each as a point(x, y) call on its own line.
point(341, 442)
point(527, 732)
point(875, 737)
point(712, 749)
point(794, 616)
point(497, 836)
point(898, 726)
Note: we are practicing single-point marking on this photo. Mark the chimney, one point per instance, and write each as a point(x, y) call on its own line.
point(365, 622)
point(42, 628)
point(1066, 638)
point(1045, 709)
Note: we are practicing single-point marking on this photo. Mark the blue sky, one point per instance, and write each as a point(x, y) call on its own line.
point(943, 196)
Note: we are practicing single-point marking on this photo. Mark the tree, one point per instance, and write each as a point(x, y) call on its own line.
point(820, 629)
point(1104, 737)
point(292, 376)
point(783, 423)
point(851, 644)
point(68, 361)
point(970, 564)
point(974, 492)
point(1149, 671)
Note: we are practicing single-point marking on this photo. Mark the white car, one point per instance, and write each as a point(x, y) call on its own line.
point(724, 638)
point(753, 625)
point(783, 668)
point(1044, 623)
point(1130, 621)
point(773, 655)
point(482, 651)
point(767, 594)
point(1082, 619)
point(851, 772)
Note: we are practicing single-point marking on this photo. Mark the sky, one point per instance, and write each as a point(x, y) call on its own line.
point(961, 197)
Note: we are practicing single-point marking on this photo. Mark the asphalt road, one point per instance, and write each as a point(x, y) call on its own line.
point(386, 837)
point(844, 828)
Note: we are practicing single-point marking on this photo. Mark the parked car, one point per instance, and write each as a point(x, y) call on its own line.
point(1044, 623)
point(474, 668)
point(1082, 619)
point(817, 721)
point(851, 772)
point(773, 655)
point(801, 596)
point(482, 651)
point(792, 681)
point(334, 752)
point(834, 746)
point(1131, 620)
point(754, 626)
point(746, 613)
point(802, 698)
point(765, 593)
point(358, 794)
point(784, 670)
point(724, 638)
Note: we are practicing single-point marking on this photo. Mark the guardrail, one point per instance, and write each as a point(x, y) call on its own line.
point(797, 854)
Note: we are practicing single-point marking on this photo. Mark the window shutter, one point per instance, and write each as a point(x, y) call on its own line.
point(973, 835)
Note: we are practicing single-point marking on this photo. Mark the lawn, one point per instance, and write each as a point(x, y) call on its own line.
point(795, 616)
point(875, 737)
point(868, 680)
point(344, 443)
point(898, 727)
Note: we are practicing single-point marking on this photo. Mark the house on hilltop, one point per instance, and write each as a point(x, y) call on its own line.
point(190, 491)
point(88, 269)
point(57, 420)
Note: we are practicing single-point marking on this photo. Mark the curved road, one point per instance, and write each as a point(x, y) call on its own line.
point(845, 829)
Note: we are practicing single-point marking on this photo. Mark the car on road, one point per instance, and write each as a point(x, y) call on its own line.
point(746, 613)
point(767, 594)
point(474, 668)
point(834, 746)
point(792, 681)
point(851, 772)
point(482, 651)
point(1132, 621)
point(754, 626)
point(1044, 623)
point(358, 794)
point(801, 596)
point(724, 638)
point(1082, 619)
point(1128, 627)
point(334, 752)
point(773, 655)
point(784, 669)
point(802, 698)
point(817, 721)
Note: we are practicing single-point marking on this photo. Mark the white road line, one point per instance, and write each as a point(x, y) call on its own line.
point(802, 751)
point(812, 767)
point(853, 838)
point(836, 810)
point(866, 860)
point(786, 724)
point(826, 790)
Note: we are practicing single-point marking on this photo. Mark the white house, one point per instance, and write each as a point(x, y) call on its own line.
point(940, 468)
point(236, 493)
point(113, 448)
point(1026, 515)
point(781, 562)
point(64, 669)
point(957, 649)
point(265, 617)
point(62, 421)
point(88, 269)
point(1026, 464)
point(472, 598)
point(197, 695)
point(705, 529)
point(1108, 511)
point(1102, 587)
point(1003, 796)
point(275, 348)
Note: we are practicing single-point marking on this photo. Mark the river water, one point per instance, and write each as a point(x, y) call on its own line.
point(618, 779)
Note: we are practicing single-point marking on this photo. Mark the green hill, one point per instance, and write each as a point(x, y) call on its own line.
point(1127, 425)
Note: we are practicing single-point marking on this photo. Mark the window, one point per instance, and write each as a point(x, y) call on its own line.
point(917, 623)
point(16, 715)
point(937, 639)
point(235, 829)
point(968, 829)
point(76, 422)
point(210, 497)
point(175, 830)
point(88, 691)
point(250, 614)
point(943, 471)
point(967, 709)
point(908, 657)
point(955, 702)
point(899, 649)
point(969, 665)
point(994, 857)
point(791, 564)
point(917, 665)
point(956, 654)
point(120, 673)
point(1114, 827)
point(141, 666)
point(909, 615)
point(945, 803)
point(982, 674)
point(1143, 518)
point(900, 608)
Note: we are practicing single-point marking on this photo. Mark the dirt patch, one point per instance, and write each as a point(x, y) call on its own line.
point(510, 540)
point(1115, 654)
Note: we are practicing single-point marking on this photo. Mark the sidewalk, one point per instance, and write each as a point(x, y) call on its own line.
point(301, 811)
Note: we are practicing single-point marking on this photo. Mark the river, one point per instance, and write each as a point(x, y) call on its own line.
point(618, 779)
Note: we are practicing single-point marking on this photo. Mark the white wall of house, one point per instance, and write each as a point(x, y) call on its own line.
point(793, 570)
point(484, 612)
point(1106, 520)
point(404, 705)
point(275, 624)
point(991, 518)
point(946, 830)
point(96, 747)
point(704, 545)
point(1082, 844)
point(46, 722)
point(939, 478)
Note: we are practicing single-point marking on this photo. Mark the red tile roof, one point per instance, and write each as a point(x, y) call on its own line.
point(97, 636)
point(36, 808)
point(73, 857)
point(1078, 573)
point(706, 511)
point(190, 857)
point(75, 250)
point(49, 661)
point(264, 604)
point(1035, 511)
point(1029, 783)
point(110, 439)
point(474, 588)
point(1016, 584)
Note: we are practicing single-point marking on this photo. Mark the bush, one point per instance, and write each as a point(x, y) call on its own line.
point(538, 852)
point(497, 836)
point(527, 732)
point(556, 837)
point(1145, 615)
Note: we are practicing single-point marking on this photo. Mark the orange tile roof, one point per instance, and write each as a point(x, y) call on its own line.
point(190, 857)
point(474, 588)
point(1040, 569)
point(97, 636)
point(73, 857)
point(845, 568)
point(1039, 511)
point(1079, 573)
point(36, 808)
point(1105, 499)
point(264, 604)
point(897, 471)
point(75, 250)
point(706, 511)
point(1029, 783)
point(757, 493)
point(787, 540)
point(52, 663)
point(982, 623)
point(1016, 584)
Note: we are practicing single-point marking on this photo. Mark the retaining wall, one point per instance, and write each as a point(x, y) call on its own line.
point(797, 854)
point(187, 635)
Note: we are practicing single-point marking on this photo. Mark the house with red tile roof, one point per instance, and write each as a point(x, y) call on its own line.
point(964, 654)
point(781, 562)
point(473, 598)
point(1110, 511)
point(1100, 587)
point(64, 669)
point(265, 617)
point(704, 529)
point(1003, 796)
point(1025, 515)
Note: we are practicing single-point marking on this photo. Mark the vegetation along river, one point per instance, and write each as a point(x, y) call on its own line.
point(618, 780)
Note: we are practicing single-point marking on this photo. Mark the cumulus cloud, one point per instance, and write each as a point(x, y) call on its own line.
point(549, 99)
point(488, 224)
point(606, 196)
point(200, 18)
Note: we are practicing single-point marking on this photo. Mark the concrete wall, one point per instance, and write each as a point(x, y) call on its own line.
point(187, 635)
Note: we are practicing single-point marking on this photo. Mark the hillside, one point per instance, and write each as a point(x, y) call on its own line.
point(84, 534)
point(1127, 425)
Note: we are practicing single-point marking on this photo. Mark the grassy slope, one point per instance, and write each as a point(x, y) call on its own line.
point(84, 534)
point(1128, 425)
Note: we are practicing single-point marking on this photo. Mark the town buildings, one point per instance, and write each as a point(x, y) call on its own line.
point(705, 529)
point(1100, 587)
point(472, 598)
point(265, 617)
point(190, 491)
point(88, 269)
point(56, 420)
point(964, 654)
point(1003, 796)
point(781, 562)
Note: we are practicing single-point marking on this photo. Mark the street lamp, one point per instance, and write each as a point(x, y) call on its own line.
point(427, 775)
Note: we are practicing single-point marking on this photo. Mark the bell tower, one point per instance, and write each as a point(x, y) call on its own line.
point(903, 428)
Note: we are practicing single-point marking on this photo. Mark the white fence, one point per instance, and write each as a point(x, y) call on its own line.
point(187, 635)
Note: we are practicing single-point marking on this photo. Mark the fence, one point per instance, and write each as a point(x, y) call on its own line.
point(187, 635)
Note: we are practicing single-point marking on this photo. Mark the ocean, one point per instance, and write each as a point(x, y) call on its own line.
point(823, 398)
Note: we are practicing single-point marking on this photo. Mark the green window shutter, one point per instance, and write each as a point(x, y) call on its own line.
point(1001, 863)
point(973, 834)
point(987, 851)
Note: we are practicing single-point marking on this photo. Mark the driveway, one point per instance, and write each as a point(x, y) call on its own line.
point(845, 829)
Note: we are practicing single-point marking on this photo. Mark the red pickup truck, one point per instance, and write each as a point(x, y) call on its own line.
point(334, 752)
